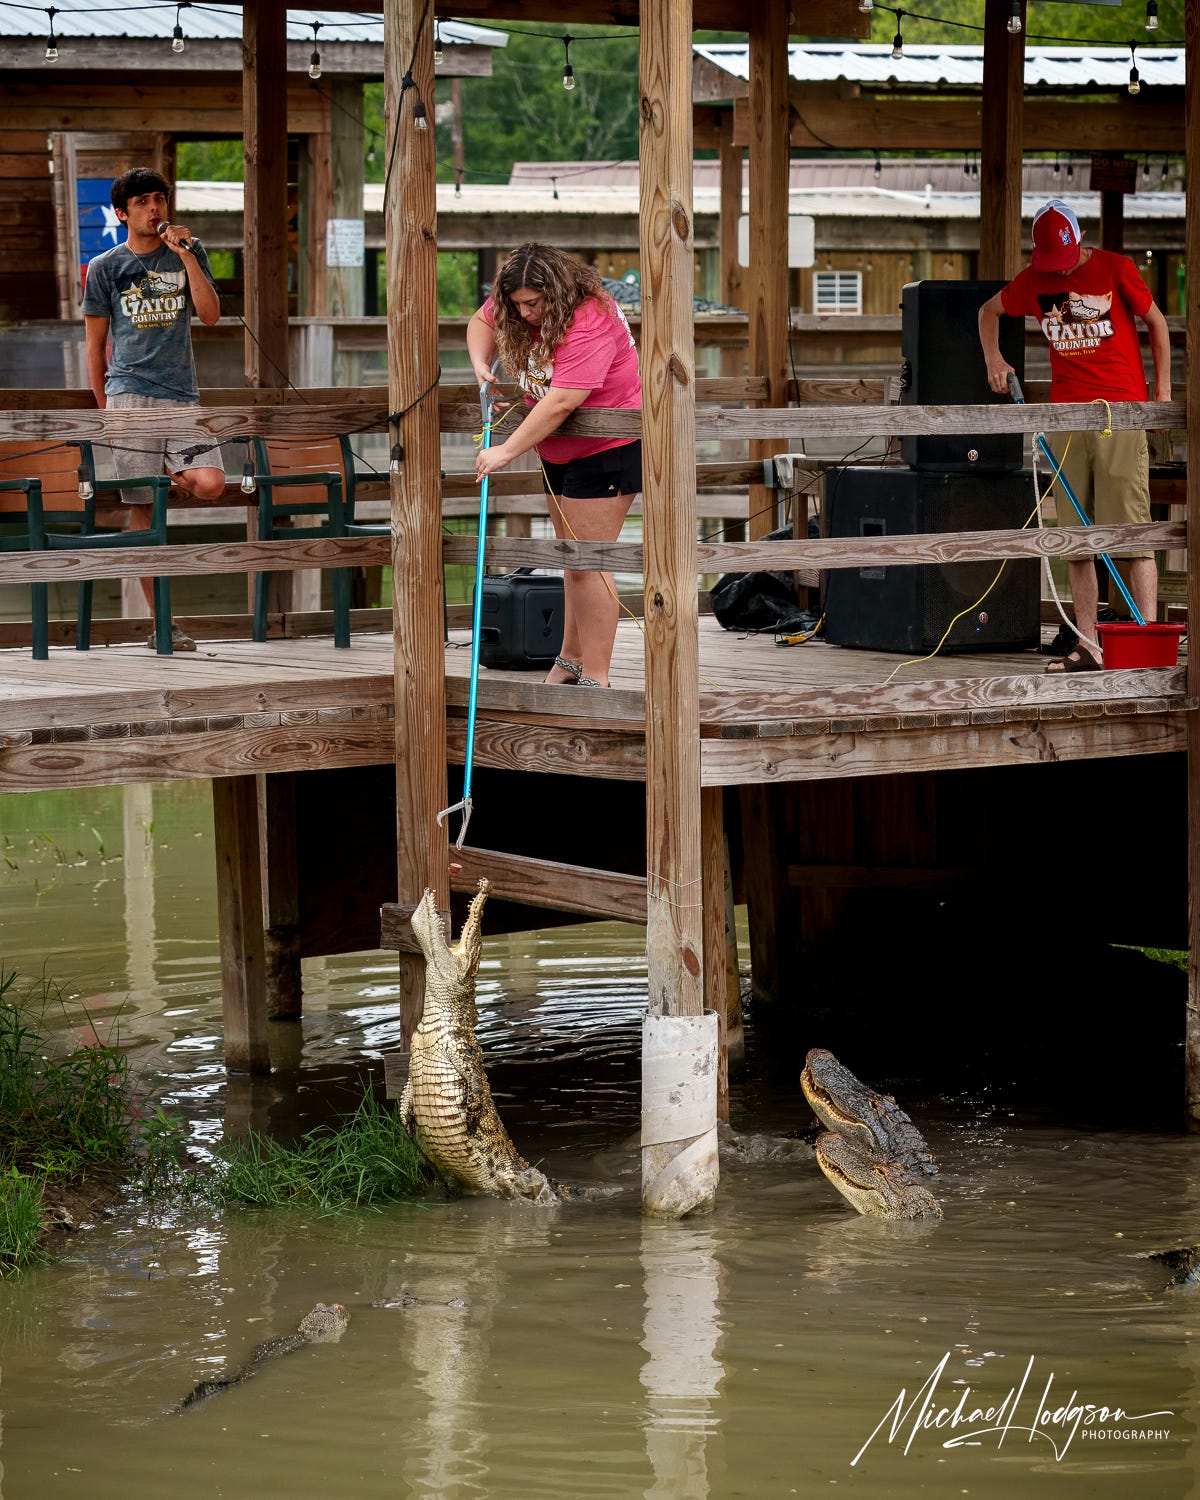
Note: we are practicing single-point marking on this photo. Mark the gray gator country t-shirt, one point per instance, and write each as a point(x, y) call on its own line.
point(149, 308)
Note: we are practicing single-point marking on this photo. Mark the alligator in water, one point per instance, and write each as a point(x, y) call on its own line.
point(1183, 1264)
point(873, 1153)
point(325, 1324)
point(446, 1105)
point(880, 1189)
point(845, 1105)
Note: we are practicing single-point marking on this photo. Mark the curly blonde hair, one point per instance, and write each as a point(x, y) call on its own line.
point(564, 284)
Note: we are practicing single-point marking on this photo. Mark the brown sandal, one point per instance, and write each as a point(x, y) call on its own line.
point(1079, 660)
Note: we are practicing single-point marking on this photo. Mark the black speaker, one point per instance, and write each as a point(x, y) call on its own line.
point(944, 366)
point(521, 620)
point(908, 608)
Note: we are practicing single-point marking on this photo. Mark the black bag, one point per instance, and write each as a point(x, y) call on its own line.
point(751, 602)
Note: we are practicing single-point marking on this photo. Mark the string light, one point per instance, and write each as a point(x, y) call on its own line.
point(1056, 164)
point(396, 461)
point(1070, 168)
point(554, 185)
point(898, 39)
point(85, 482)
point(966, 164)
point(1014, 18)
point(177, 43)
point(314, 62)
point(439, 52)
point(371, 150)
point(1151, 15)
point(51, 40)
point(568, 70)
point(248, 482)
point(866, 6)
point(1135, 78)
point(878, 167)
point(420, 115)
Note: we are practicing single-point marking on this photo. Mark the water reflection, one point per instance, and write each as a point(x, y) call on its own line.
point(682, 1374)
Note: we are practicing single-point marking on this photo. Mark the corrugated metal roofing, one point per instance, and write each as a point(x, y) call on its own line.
point(955, 66)
point(205, 22)
point(824, 202)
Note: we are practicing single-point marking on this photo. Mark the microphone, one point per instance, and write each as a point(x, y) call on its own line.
point(161, 230)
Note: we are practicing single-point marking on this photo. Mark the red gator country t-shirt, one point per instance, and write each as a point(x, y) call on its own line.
point(597, 355)
point(1088, 320)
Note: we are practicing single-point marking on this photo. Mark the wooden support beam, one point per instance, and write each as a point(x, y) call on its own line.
point(264, 235)
point(712, 852)
point(240, 923)
point(281, 899)
point(766, 278)
point(1192, 393)
point(422, 844)
point(1000, 156)
point(679, 1167)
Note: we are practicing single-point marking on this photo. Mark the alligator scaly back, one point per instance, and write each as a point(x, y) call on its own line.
point(447, 1105)
point(325, 1324)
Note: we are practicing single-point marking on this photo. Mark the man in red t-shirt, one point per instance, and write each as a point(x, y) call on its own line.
point(1086, 302)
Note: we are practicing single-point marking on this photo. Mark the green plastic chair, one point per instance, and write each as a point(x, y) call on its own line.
point(42, 509)
point(311, 477)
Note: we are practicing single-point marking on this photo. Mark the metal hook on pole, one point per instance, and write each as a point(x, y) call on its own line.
point(487, 402)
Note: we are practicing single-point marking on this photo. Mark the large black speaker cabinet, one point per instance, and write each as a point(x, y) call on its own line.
point(908, 608)
point(944, 366)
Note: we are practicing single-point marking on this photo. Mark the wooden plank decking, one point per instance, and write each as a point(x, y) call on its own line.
point(122, 714)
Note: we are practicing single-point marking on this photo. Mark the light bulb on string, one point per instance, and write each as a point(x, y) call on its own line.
point(1135, 78)
point(439, 52)
point(396, 461)
point(177, 42)
point(86, 490)
point(51, 40)
point(866, 6)
point(1014, 18)
point(1151, 15)
point(966, 164)
point(1056, 164)
point(248, 483)
point(314, 62)
point(568, 71)
point(878, 167)
point(371, 150)
point(898, 39)
point(420, 115)
point(1070, 169)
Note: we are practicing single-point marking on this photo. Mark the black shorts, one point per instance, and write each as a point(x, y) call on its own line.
point(613, 471)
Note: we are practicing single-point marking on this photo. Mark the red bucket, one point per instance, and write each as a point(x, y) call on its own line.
point(1128, 645)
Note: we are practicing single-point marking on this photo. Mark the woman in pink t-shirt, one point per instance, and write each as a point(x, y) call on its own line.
point(566, 343)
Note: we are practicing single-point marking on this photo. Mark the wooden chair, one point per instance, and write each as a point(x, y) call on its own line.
point(42, 510)
point(316, 477)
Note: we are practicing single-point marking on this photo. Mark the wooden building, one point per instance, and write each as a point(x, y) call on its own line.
point(833, 756)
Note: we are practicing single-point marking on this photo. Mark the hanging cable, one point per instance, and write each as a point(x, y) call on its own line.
point(898, 39)
point(314, 62)
point(51, 40)
point(439, 52)
point(1135, 78)
point(177, 42)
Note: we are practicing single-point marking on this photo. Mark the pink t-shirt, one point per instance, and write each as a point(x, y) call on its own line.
point(1088, 320)
point(597, 355)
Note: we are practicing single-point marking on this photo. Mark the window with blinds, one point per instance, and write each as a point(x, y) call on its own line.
point(837, 291)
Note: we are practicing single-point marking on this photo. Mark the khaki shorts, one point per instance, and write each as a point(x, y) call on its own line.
point(1109, 476)
point(142, 458)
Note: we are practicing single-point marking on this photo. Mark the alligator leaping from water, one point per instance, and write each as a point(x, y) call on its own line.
point(871, 1151)
point(446, 1105)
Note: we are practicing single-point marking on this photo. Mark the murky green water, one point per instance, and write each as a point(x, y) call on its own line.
point(759, 1352)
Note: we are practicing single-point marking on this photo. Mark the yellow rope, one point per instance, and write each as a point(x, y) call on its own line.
point(1107, 431)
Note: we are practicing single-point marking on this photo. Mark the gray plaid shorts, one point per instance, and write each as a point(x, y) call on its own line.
point(142, 458)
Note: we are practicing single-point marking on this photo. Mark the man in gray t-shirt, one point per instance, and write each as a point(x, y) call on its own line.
point(138, 302)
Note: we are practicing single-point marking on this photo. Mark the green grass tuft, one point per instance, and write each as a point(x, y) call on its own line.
point(370, 1159)
point(20, 1222)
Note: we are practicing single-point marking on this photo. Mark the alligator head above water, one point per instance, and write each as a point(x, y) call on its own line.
point(877, 1188)
point(447, 1105)
point(324, 1324)
point(846, 1106)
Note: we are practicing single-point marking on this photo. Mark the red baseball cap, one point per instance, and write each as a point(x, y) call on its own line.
point(1056, 237)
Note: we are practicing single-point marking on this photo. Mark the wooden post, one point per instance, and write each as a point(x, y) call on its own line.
point(347, 169)
point(712, 842)
point(280, 895)
point(766, 277)
point(240, 923)
point(1000, 156)
point(422, 846)
point(679, 1166)
point(264, 232)
point(1191, 116)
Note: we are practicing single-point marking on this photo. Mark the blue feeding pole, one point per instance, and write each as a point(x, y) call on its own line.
point(1014, 390)
point(486, 406)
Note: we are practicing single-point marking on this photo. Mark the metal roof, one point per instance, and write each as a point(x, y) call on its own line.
point(955, 66)
point(120, 19)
